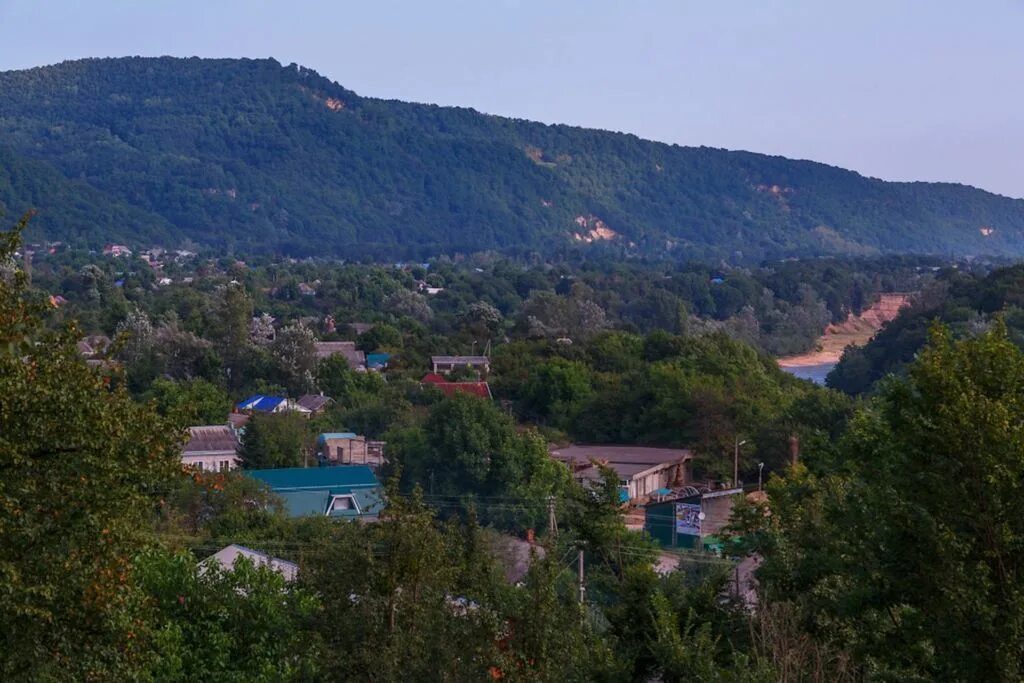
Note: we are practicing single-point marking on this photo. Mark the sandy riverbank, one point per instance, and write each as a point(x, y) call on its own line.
point(854, 331)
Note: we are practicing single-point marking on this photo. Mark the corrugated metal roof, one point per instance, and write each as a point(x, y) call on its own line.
point(377, 359)
point(460, 360)
point(481, 389)
point(313, 402)
point(336, 435)
point(210, 439)
point(297, 478)
point(310, 490)
point(261, 403)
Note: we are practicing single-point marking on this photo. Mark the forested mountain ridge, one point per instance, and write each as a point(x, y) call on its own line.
point(259, 156)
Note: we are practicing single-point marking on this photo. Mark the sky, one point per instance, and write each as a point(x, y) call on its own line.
point(896, 89)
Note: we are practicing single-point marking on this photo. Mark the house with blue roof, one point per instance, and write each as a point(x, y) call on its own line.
point(261, 403)
point(345, 491)
point(378, 361)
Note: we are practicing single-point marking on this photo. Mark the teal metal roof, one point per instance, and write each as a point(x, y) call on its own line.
point(377, 359)
point(310, 490)
point(368, 501)
point(294, 478)
point(335, 435)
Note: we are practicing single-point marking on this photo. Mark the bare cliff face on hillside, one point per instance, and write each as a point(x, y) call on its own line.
point(856, 330)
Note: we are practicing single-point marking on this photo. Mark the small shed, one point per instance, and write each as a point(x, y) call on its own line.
point(442, 364)
point(347, 448)
point(691, 521)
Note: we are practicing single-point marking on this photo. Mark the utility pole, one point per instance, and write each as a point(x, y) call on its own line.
point(582, 584)
point(736, 463)
point(552, 522)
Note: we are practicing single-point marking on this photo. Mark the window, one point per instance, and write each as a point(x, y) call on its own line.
point(339, 503)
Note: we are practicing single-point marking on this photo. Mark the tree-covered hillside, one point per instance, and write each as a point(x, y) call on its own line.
point(967, 303)
point(255, 155)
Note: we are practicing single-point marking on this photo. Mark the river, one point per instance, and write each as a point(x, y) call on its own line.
point(815, 373)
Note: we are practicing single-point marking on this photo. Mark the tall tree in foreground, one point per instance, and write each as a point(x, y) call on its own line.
point(80, 463)
point(911, 554)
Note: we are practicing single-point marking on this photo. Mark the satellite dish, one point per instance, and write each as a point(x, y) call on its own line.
point(701, 516)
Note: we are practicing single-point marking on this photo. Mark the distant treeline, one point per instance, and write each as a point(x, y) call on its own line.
point(257, 156)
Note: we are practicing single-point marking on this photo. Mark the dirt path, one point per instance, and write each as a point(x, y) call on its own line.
point(854, 331)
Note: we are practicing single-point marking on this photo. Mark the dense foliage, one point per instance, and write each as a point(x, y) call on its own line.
point(904, 550)
point(258, 156)
point(966, 302)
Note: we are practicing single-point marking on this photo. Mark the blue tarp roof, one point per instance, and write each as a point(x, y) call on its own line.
point(261, 402)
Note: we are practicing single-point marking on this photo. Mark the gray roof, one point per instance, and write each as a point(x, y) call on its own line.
point(514, 555)
point(345, 348)
point(622, 455)
point(210, 439)
point(226, 558)
point(461, 360)
point(313, 402)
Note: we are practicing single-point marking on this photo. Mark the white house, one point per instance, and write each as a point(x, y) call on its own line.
point(211, 448)
point(226, 558)
point(642, 471)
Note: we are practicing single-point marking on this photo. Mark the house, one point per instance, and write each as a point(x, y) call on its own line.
point(226, 558)
point(360, 329)
point(345, 491)
point(693, 521)
point(514, 555)
point(307, 289)
point(377, 361)
point(237, 421)
point(642, 471)
point(314, 403)
point(93, 345)
point(270, 404)
point(212, 448)
point(356, 359)
point(479, 389)
point(116, 250)
point(443, 364)
point(346, 448)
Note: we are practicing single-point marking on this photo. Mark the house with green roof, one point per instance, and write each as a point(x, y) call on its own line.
point(346, 491)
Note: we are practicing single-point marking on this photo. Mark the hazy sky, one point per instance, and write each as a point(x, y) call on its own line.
point(899, 89)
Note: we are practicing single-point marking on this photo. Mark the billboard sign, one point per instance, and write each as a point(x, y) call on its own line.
point(688, 519)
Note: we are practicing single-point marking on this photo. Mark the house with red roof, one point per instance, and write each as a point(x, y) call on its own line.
point(479, 389)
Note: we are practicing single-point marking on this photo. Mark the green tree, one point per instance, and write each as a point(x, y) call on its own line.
point(213, 624)
point(908, 550)
point(557, 391)
point(193, 402)
point(469, 448)
point(81, 466)
point(276, 440)
point(295, 361)
point(349, 388)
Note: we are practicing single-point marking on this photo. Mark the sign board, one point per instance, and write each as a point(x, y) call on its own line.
point(688, 519)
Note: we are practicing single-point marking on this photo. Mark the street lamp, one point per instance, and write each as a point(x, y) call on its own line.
point(736, 462)
point(760, 467)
